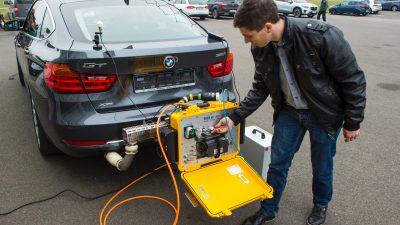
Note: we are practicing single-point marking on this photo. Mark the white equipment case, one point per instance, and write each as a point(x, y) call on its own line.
point(256, 149)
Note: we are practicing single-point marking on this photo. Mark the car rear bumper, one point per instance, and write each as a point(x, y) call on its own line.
point(376, 9)
point(227, 12)
point(106, 127)
point(80, 122)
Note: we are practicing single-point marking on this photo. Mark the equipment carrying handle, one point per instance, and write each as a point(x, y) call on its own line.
point(255, 130)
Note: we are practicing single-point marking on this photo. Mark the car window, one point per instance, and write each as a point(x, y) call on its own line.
point(34, 20)
point(141, 21)
point(47, 26)
point(345, 3)
point(198, 2)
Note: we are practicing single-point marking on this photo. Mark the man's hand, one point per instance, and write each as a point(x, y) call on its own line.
point(221, 127)
point(350, 135)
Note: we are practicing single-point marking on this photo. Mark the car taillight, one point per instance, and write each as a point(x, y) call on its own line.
point(62, 79)
point(206, 7)
point(84, 143)
point(362, 6)
point(190, 7)
point(222, 5)
point(375, 4)
point(16, 9)
point(221, 68)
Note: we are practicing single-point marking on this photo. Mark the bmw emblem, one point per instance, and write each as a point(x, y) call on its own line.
point(169, 62)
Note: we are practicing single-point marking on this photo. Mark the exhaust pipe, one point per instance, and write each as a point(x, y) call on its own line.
point(122, 164)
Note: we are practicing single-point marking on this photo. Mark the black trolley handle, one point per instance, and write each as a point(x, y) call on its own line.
point(255, 130)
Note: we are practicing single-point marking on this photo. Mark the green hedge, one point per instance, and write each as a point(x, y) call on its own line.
point(330, 2)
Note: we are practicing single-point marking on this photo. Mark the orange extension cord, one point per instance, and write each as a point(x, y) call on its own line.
point(103, 221)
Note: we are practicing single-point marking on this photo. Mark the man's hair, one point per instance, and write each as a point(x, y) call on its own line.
point(253, 14)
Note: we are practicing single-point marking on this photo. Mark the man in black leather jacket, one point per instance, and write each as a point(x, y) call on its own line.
point(316, 85)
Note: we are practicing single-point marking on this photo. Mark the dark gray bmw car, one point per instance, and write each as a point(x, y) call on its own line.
point(95, 67)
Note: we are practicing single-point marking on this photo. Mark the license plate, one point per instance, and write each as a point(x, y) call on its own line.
point(163, 81)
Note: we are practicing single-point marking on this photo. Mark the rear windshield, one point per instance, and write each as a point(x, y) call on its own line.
point(140, 21)
point(24, 1)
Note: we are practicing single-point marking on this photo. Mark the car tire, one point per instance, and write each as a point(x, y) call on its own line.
point(202, 18)
point(395, 8)
point(333, 12)
point(20, 75)
point(215, 14)
point(310, 16)
point(356, 12)
point(45, 147)
point(297, 12)
point(370, 11)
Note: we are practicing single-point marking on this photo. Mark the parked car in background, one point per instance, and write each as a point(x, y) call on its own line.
point(350, 7)
point(83, 92)
point(193, 8)
point(19, 8)
point(374, 6)
point(391, 5)
point(219, 8)
point(296, 7)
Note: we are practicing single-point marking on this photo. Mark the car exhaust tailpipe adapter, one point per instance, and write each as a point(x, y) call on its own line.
point(122, 163)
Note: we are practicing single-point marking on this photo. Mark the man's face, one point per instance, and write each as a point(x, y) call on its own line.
point(258, 38)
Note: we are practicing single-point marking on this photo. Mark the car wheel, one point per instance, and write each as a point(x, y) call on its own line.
point(297, 12)
point(215, 14)
point(310, 16)
point(45, 146)
point(356, 12)
point(202, 18)
point(333, 12)
point(370, 11)
point(20, 74)
point(394, 8)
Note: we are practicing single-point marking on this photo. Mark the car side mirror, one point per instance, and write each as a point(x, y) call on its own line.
point(290, 1)
point(12, 25)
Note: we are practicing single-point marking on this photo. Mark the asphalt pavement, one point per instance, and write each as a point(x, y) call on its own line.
point(367, 171)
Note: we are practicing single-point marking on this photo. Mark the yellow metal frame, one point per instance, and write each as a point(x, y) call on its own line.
point(194, 110)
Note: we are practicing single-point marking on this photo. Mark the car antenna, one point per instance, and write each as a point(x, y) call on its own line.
point(96, 39)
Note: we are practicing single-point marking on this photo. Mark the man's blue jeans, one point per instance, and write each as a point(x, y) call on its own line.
point(289, 130)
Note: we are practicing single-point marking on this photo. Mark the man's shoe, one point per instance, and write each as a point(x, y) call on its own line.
point(317, 216)
point(258, 219)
